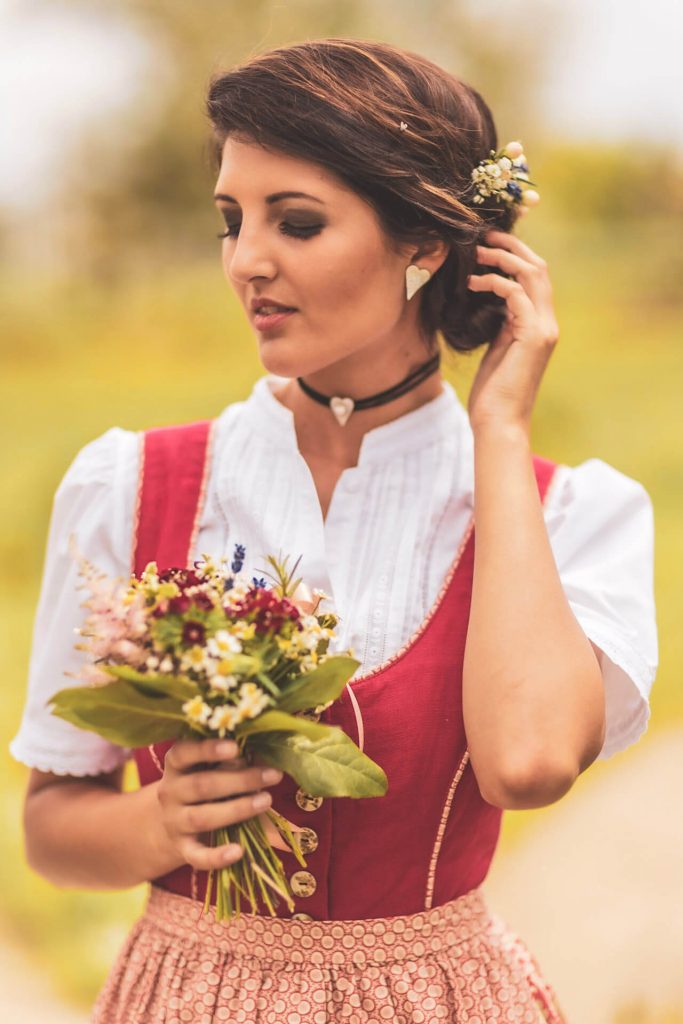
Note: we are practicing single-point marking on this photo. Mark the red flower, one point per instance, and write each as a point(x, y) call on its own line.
point(265, 610)
point(183, 577)
point(179, 605)
point(193, 633)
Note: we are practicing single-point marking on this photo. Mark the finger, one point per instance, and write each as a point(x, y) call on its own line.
point(196, 818)
point(210, 858)
point(272, 834)
point(507, 261)
point(515, 245)
point(200, 787)
point(184, 754)
point(517, 299)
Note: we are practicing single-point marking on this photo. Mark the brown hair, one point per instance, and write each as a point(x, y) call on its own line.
point(340, 103)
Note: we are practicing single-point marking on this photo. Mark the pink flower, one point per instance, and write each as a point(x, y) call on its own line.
point(94, 676)
point(129, 653)
point(304, 600)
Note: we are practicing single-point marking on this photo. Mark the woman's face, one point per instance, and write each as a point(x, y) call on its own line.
point(298, 236)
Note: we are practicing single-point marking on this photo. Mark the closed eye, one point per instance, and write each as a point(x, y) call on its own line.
point(293, 230)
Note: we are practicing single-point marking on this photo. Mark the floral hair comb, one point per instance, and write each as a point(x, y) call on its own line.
point(501, 175)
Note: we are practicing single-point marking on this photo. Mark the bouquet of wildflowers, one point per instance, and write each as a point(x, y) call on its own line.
point(206, 652)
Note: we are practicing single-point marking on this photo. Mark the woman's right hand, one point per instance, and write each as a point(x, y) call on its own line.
point(206, 786)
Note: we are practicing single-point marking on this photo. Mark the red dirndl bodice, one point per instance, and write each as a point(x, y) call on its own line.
point(432, 836)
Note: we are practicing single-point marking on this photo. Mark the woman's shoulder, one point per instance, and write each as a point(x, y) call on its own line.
point(595, 488)
point(102, 458)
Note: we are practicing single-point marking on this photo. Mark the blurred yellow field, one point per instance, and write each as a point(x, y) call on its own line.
point(171, 345)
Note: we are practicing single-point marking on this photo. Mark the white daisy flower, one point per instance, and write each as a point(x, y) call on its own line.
point(224, 643)
point(252, 700)
point(197, 710)
point(224, 719)
point(195, 659)
point(222, 678)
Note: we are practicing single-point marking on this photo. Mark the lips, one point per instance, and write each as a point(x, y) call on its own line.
point(264, 321)
point(266, 306)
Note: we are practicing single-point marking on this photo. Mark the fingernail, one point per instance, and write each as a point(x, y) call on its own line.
point(260, 801)
point(226, 749)
point(271, 775)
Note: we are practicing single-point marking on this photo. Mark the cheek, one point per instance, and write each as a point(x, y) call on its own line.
point(362, 284)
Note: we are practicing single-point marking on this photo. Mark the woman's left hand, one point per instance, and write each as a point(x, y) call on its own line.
point(509, 375)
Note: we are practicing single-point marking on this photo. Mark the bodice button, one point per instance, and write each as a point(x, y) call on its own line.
point(308, 840)
point(307, 802)
point(301, 917)
point(303, 883)
point(310, 716)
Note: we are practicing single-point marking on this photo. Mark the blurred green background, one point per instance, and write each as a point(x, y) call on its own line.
point(116, 313)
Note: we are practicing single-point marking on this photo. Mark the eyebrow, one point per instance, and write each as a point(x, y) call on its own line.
point(274, 198)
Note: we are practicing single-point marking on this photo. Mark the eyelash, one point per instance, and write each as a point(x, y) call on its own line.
point(287, 229)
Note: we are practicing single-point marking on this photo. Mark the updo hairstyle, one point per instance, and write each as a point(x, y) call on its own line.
point(340, 103)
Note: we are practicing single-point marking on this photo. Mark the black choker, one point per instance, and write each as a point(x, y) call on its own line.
point(343, 407)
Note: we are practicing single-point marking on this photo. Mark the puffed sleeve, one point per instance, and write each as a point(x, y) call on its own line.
point(601, 529)
point(95, 502)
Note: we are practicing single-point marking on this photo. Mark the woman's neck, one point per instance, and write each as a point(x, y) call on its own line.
point(319, 434)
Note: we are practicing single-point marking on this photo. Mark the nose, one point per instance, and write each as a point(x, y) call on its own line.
point(248, 256)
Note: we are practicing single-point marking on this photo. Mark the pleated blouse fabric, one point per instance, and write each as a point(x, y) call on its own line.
point(394, 524)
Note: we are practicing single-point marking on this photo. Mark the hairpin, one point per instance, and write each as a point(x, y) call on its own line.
point(499, 177)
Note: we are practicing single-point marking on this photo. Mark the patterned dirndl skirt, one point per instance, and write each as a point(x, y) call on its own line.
point(457, 962)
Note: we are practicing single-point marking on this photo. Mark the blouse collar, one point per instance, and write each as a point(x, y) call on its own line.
point(442, 417)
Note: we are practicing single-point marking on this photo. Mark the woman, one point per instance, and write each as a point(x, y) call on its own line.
point(491, 676)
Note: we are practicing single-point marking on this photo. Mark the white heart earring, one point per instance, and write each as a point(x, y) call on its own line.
point(415, 278)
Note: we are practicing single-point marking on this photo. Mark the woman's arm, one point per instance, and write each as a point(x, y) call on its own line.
point(532, 690)
point(87, 834)
point(533, 696)
point(90, 835)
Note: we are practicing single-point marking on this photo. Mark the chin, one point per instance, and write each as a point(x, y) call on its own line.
point(277, 362)
point(276, 359)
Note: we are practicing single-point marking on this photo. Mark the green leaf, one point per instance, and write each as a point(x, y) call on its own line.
point(168, 631)
point(243, 664)
point(279, 721)
point(323, 684)
point(119, 713)
point(155, 683)
point(330, 766)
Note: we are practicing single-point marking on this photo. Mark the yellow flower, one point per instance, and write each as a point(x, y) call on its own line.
point(244, 630)
point(167, 589)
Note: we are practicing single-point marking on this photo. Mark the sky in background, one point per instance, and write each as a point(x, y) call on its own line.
point(616, 71)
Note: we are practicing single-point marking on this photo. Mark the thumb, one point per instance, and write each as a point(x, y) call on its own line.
point(273, 836)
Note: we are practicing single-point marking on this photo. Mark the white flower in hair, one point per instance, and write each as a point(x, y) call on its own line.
point(498, 177)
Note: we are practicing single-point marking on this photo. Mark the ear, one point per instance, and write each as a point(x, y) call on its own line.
point(431, 254)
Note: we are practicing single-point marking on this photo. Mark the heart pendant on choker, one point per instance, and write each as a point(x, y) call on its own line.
point(342, 409)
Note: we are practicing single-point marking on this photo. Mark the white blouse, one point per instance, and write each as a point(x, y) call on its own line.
point(392, 530)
